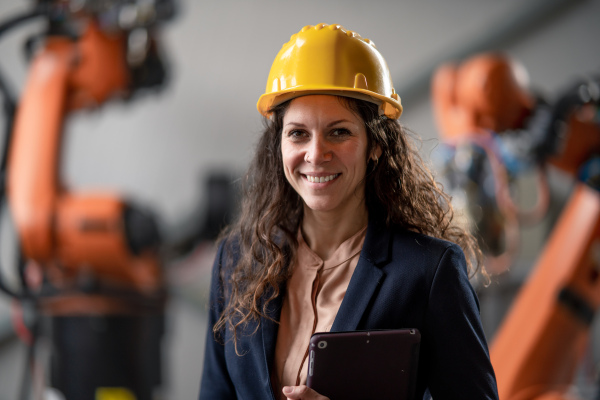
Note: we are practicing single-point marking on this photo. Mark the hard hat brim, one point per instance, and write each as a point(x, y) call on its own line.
point(388, 106)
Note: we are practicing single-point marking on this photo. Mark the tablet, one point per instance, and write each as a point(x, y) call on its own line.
point(378, 364)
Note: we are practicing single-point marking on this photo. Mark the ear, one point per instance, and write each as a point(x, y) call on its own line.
point(376, 153)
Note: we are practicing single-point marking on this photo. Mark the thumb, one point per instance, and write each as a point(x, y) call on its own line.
point(302, 392)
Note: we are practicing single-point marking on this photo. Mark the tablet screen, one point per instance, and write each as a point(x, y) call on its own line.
point(379, 364)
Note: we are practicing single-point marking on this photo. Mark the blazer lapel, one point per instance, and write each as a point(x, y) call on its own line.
point(269, 330)
point(362, 286)
point(366, 277)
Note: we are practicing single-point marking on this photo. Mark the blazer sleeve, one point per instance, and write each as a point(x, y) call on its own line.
point(459, 362)
point(216, 382)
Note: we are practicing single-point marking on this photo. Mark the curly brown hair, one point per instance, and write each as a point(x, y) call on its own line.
point(264, 237)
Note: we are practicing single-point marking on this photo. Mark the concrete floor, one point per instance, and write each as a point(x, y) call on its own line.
point(183, 349)
point(183, 343)
point(186, 350)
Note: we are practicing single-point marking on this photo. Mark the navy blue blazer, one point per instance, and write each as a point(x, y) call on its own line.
point(402, 280)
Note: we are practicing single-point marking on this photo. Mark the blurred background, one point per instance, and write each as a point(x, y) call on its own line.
point(179, 150)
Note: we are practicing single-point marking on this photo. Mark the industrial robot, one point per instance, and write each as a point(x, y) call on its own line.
point(493, 128)
point(89, 264)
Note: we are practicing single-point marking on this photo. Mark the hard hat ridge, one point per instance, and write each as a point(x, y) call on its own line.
point(329, 59)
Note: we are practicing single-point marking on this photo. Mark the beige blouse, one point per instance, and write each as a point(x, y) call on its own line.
point(314, 294)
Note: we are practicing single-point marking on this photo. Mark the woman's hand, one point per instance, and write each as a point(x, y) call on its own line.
point(302, 392)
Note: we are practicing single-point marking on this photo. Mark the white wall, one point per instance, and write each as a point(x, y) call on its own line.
point(159, 147)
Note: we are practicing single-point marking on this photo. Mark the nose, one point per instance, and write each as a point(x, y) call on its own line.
point(318, 151)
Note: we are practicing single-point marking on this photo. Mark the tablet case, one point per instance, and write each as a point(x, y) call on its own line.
point(380, 364)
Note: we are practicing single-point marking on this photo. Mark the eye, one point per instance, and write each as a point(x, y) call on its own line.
point(340, 132)
point(296, 134)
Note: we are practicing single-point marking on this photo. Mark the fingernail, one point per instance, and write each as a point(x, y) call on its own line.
point(288, 389)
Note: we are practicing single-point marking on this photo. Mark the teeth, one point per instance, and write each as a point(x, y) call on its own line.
point(321, 179)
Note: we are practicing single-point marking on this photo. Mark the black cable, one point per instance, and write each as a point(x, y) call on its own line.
point(26, 16)
point(24, 294)
point(21, 269)
point(10, 106)
point(28, 370)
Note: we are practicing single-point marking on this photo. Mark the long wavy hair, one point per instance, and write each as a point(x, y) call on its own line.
point(263, 241)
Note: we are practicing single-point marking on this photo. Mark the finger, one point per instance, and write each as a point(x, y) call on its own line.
point(302, 392)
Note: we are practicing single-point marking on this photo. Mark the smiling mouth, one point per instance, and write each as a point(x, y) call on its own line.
point(321, 179)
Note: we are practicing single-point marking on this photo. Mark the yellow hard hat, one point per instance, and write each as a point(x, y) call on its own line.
point(329, 59)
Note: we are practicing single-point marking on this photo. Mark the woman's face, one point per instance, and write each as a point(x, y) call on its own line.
point(324, 151)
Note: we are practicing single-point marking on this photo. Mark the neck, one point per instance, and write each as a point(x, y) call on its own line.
point(325, 231)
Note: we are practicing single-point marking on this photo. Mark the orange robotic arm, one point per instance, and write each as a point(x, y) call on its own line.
point(68, 233)
point(55, 225)
point(485, 92)
point(541, 341)
point(97, 253)
point(474, 103)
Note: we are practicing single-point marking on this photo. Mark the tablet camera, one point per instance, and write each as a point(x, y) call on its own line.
point(322, 344)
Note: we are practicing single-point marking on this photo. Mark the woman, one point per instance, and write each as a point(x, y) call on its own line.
point(342, 228)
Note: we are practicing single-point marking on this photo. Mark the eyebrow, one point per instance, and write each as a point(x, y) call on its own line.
point(329, 125)
point(338, 122)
